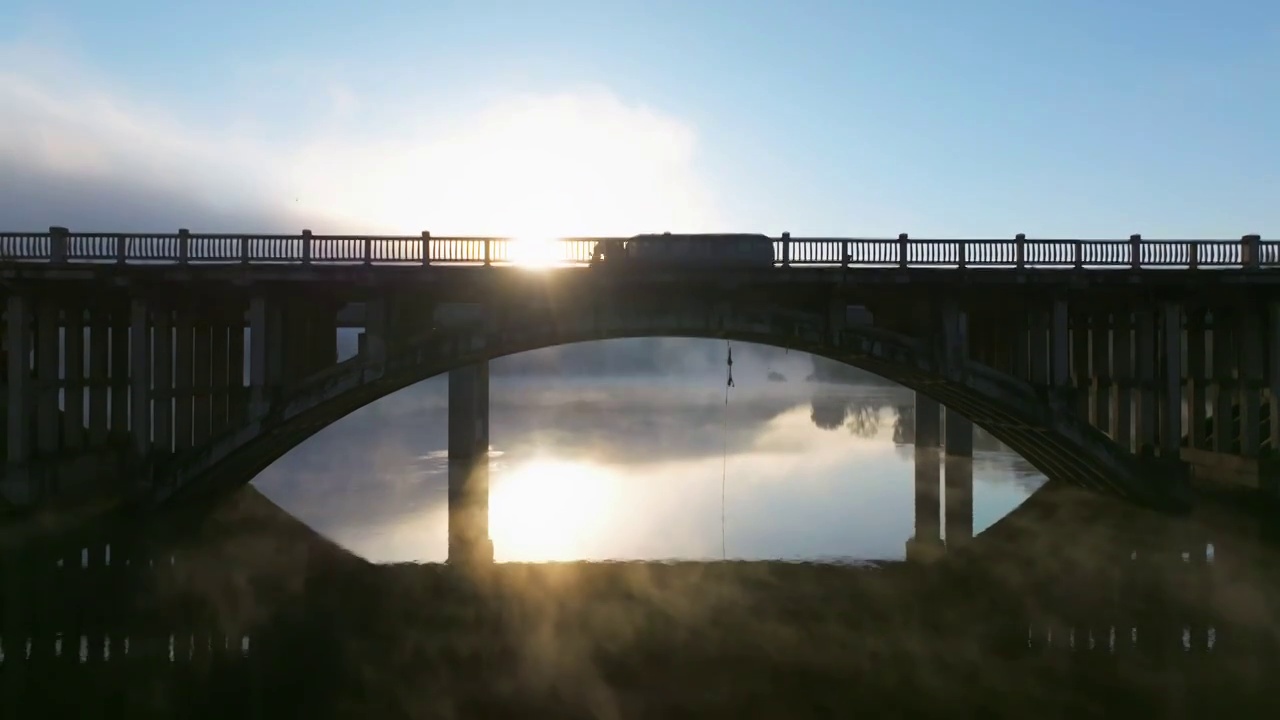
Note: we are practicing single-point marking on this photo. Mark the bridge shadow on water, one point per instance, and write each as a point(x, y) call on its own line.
point(1077, 606)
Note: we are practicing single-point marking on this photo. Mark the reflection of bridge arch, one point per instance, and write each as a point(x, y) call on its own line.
point(1055, 441)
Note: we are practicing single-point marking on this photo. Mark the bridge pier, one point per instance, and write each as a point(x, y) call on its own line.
point(469, 541)
point(928, 419)
point(959, 435)
point(926, 543)
point(18, 384)
point(958, 499)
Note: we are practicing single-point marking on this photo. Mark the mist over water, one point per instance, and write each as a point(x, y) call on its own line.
point(633, 468)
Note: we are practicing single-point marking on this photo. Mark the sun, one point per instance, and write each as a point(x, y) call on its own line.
point(549, 510)
point(537, 251)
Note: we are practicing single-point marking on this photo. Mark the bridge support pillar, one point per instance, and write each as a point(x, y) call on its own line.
point(1197, 376)
point(48, 382)
point(1171, 373)
point(1272, 339)
point(139, 377)
point(18, 375)
point(99, 375)
point(1145, 365)
point(163, 372)
point(1250, 352)
point(1122, 374)
point(266, 352)
point(928, 422)
point(1223, 376)
point(926, 543)
point(469, 541)
point(959, 434)
point(73, 431)
point(1100, 370)
point(958, 475)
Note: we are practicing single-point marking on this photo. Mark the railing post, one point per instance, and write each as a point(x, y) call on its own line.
point(1135, 251)
point(244, 249)
point(1251, 251)
point(426, 248)
point(902, 250)
point(122, 248)
point(844, 253)
point(786, 249)
point(1078, 254)
point(58, 244)
point(368, 251)
point(1020, 250)
point(1195, 258)
point(488, 252)
point(961, 254)
point(306, 247)
point(184, 246)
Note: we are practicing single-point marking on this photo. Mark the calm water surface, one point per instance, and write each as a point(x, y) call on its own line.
point(634, 469)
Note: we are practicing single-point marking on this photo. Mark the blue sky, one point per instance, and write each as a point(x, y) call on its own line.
point(1072, 118)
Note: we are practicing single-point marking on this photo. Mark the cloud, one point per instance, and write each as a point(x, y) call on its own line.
point(76, 152)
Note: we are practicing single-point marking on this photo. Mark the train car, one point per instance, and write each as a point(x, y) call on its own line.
point(688, 250)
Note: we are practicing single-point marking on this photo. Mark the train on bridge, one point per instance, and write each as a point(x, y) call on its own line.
point(687, 250)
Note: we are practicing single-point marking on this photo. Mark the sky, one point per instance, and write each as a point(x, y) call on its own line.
point(1055, 118)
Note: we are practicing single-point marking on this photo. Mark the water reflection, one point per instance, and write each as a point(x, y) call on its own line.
point(635, 470)
point(1072, 604)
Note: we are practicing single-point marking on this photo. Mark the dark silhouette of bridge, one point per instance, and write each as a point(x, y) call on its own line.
point(153, 369)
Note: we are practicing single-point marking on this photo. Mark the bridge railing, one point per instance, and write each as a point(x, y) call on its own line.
point(62, 246)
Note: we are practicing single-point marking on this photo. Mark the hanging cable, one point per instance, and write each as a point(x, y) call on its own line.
point(724, 452)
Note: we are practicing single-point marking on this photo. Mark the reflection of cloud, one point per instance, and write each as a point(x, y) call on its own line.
point(75, 151)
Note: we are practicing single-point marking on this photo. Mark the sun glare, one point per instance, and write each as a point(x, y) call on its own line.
point(535, 252)
point(550, 510)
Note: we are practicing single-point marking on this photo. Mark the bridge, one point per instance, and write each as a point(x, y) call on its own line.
point(1129, 366)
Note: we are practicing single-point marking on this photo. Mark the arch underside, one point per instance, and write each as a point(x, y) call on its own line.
point(1033, 424)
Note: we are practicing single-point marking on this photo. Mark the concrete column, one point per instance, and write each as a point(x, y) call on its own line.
point(469, 465)
point(1122, 379)
point(955, 337)
point(1197, 380)
point(73, 435)
point(1039, 357)
point(276, 348)
point(140, 377)
point(99, 375)
point(237, 400)
point(1272, 340)
point(163, 372)
point(1059, 345)
point(1171, 374)
point(18, 374)
point(959, 434)
point(120, 371)
point(1020, 346)
point(1224, 366)
point(202, 377)
point(958, 501)
point(1100, 370)
point(258, 355)
point(375, 330)
point(1145, 368)
point(1081, 382)
point(1249, 351)
point(183, 380)
point(926, 543)
point(219, 366)
point(469, 411)
point(928, 422)
point(48, 382)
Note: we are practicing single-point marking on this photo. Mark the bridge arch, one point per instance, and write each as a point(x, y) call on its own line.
point(1039, 427)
